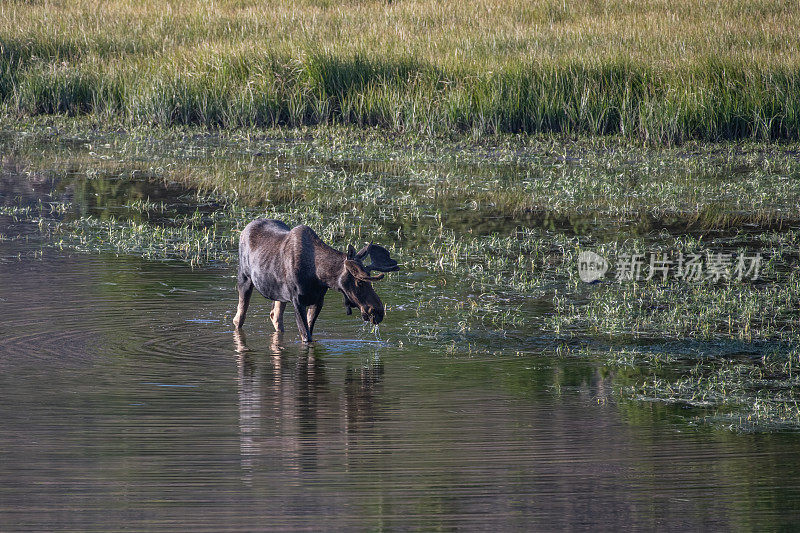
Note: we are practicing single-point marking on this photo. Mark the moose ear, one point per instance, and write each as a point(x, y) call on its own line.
point(353, 268)
point(351, 252)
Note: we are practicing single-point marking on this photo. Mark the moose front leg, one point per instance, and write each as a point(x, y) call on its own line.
point(312, 314)
point(302, 321)
point(276, 315)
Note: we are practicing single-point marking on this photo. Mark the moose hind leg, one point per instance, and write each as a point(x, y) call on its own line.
point(276, 315)
point(245, 289)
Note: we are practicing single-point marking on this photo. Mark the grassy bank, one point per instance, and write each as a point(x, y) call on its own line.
point(655, 71)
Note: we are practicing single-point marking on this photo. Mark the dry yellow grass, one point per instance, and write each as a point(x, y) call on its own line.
point(481, 34)
point(378, 62)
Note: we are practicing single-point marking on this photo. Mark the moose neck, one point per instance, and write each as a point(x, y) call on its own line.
point(330, 267)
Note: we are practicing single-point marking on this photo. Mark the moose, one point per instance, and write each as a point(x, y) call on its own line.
point(294, 265)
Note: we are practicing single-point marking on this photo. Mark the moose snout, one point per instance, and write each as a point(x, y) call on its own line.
point(372, 314)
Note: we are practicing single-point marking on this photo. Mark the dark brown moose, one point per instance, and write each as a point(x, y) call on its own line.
point(294, 265)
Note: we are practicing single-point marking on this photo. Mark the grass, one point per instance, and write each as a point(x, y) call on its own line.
point(664, 73)
point(456, 134)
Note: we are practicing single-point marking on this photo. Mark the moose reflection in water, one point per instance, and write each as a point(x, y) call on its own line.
point(291, 387)
point(294, 265)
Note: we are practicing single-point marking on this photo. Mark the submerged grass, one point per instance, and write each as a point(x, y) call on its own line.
point(750, 390)
point(662, 73)
point(547, 181)
point(484, 269)
point(437, 217)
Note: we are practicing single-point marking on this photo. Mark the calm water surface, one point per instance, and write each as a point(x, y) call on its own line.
point(130, 404)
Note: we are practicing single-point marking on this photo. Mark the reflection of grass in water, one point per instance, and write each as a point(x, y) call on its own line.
point(613, 182)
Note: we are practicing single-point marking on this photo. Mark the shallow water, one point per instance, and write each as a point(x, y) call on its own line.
point(129, 403)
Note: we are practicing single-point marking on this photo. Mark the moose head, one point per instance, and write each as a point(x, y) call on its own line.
point(355, 280)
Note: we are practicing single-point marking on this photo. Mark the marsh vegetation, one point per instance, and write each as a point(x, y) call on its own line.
point(488, 235)
point(662, 72)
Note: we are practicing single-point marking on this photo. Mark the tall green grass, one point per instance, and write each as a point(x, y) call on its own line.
point(544, 67)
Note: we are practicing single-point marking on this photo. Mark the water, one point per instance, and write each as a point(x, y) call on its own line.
point(129, 403)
